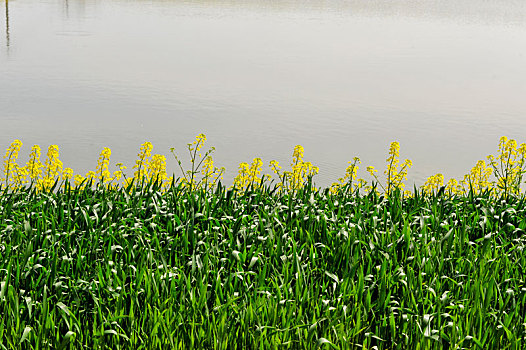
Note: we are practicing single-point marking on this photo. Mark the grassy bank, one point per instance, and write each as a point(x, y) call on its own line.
point(97, 268)
point(150, 261)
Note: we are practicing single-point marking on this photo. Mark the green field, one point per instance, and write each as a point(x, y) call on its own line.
point(194, 264)
point(111, 269)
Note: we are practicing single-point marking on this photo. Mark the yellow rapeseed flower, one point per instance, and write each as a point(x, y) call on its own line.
point(433, 183)
point(509, 166)
point(249, 175)
point(142, 164)
point(79, 181)
point(298, 176)
point(34, 165)
point(478, 178)
point(103, 173)
point(53, 168)
point(12, 172)
point(157, 170)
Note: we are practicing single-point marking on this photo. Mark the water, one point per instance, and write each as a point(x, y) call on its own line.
point(445, 78)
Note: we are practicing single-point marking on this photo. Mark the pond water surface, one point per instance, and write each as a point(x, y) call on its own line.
point(445, 78)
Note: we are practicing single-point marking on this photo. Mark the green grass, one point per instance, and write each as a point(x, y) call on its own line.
point(98, 269)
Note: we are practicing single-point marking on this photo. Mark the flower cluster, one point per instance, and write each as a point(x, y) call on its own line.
point(433, 184)
point(349, 179)
point(13, 173)
point(509, 166)
point(210, 174)
point(203, 174)
point(507, 169)
point(43, 177)
point(249, 175)
point(301, 172)
point(395, 172)
point(148, 169)
point(394, 175)
point(34, 165)
point(103, 173)
point(52, 169)
point(157, 169)
point(478, 178)
point(143, 161)
point(118, 174)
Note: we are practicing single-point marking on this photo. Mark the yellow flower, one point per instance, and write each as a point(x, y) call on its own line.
point(118, 174)
point(241, 180)
point(394, 175)
point(477, 179)
point(67, 174)
point(300, 173)
point(349, 177)
point(433, 183)
point(78, 180)
point(103, 173)
point(210, 173)
point(199, 141)
point(297, 155)
point(157, 170)
point(34, 165)
point(142, 164)
point(509, 166)
point(12, 172)
point(91, 175)
point(53, 168)
point(249, 175)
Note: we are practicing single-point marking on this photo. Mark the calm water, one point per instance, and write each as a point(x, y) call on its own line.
point(446, 78)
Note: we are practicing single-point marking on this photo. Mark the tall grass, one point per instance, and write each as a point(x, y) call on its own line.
point(152, 262)
point(149, 269)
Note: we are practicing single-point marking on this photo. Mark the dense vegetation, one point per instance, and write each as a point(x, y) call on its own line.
point(153, 262)
point(96, 268)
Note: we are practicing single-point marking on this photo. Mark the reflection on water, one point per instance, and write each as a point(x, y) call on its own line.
point(7, 23)
point(446, 78)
